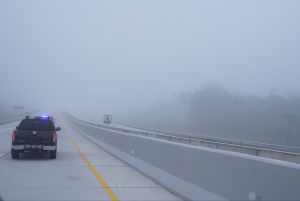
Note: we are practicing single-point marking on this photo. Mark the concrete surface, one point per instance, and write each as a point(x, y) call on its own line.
point(36, 177)
point(229, 175)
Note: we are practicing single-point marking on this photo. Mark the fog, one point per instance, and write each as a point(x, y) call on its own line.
point(133, 57)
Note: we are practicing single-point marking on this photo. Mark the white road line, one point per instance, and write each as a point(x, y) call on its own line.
point(1, 155)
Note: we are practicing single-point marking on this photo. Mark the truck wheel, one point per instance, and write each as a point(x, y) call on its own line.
point(53, 154)
point(14, 154)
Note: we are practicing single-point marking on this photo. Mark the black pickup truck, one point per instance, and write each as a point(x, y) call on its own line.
point(35, 134)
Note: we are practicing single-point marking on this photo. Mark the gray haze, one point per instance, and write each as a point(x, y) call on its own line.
point(122, 56)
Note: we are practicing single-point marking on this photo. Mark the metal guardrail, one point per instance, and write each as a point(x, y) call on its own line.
point(285, 153)
point(193, 136)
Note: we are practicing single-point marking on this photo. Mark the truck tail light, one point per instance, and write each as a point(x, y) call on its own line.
point(14, 136)
point(54, 137)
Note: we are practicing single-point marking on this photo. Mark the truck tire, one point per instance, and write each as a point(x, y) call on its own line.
point(53, 154)
point(14, 154)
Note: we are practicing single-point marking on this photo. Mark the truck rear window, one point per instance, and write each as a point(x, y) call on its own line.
point(37, 124)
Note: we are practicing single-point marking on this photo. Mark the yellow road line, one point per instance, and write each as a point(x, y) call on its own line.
point(96, 173)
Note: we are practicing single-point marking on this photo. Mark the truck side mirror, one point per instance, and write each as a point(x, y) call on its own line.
point(58, 129)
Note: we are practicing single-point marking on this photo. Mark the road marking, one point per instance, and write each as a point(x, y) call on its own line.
point(1, 155)
point(96, 173)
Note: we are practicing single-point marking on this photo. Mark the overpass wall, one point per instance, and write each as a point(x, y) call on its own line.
point(200, 173)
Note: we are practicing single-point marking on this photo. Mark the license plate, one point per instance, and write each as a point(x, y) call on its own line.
point(36, 146)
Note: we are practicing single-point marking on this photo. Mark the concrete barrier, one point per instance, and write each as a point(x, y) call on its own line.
point(12, 119)
point(280, 152)
point(201, 173)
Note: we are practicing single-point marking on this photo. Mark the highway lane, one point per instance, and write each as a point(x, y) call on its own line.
point(5, 136)
point(75, 175)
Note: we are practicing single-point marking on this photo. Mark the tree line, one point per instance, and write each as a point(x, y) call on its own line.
point(215, 111)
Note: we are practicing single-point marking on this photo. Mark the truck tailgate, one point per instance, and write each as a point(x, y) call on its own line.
point(34, 137)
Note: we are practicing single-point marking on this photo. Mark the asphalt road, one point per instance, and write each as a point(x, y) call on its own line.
point(82, 171)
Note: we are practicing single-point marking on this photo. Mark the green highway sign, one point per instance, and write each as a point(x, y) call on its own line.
point(107, 119)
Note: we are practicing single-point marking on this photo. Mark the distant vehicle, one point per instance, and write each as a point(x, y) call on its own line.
point(35, 134)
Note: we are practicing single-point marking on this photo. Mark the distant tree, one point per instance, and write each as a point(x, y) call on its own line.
point(215, 111)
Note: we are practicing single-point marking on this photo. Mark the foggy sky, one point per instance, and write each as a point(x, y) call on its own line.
point(111, 55)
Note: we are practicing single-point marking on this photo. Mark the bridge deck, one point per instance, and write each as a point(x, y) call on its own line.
point(80, 172)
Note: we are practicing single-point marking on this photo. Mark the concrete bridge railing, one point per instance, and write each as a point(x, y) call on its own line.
point(199, 173)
